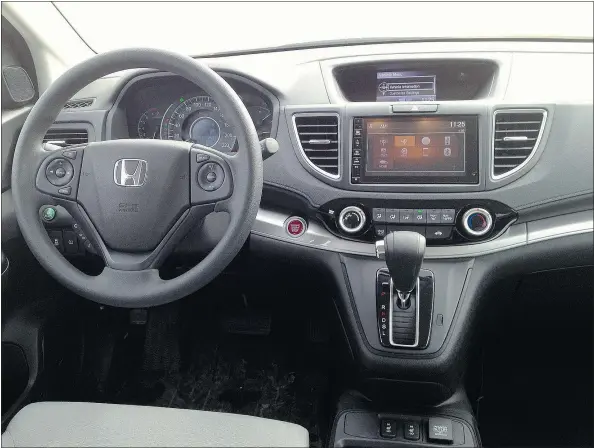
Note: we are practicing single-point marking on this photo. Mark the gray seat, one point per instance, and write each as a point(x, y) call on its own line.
point(97, 424)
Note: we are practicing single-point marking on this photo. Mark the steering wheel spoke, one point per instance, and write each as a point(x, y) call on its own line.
point(59, 172)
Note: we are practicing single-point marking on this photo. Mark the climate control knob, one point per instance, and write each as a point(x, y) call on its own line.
point(351, 219)
point(477, 222)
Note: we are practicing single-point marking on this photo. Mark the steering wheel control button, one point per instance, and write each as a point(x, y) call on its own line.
point(70, 242)
point(295, 226)
point(412, 430)
point(477, 222)
point(49, 214)
point(59, 172)
point(351, 219)
point(440, 430)
point(202, 158)
point(211, 176)
point(57, 241)
point(71, 154)
point(65, 190)
point(448, 216)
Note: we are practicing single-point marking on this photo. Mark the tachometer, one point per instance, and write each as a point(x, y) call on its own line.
point(198, 120)
point(149, 124)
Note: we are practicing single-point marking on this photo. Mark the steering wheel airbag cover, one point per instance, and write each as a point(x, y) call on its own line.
point(149, 289)
point(120, 211)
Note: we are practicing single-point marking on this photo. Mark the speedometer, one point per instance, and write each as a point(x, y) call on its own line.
point(198, 120)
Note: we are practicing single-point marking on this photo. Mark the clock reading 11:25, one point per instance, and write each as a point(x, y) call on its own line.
point(457, 124)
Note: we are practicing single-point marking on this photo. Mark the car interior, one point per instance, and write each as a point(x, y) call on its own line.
point(370, 241)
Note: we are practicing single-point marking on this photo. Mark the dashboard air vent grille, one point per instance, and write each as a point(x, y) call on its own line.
point(66, 137)
point(319, 139)
point(78, 104)
point(517, 134)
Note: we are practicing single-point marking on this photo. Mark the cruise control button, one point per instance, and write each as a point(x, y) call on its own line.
point(448, 216)
point(438, 232)
point(434, 216)
point(379, 215)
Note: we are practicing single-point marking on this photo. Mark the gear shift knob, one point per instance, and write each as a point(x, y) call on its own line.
point(404, 252)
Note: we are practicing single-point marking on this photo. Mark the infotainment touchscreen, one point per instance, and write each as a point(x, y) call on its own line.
point(424, 150)
point(406, 86)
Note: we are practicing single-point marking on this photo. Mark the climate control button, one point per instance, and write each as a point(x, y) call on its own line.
point(351, 219)
point(477, 222)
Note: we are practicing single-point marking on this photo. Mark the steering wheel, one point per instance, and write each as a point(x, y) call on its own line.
point(135, 199)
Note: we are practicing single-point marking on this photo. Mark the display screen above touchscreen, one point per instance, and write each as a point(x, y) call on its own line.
point(406, 86)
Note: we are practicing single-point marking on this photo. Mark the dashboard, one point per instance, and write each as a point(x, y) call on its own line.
point(458, 141)
point(484, 148)
point(168, 107)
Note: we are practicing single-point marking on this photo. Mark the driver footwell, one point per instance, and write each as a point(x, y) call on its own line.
point(258, 360)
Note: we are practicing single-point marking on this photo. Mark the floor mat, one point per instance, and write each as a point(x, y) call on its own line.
point(282, 374)
point(537, 370)
point(245, 375)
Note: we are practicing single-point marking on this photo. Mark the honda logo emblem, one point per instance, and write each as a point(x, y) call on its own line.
point(130, 172)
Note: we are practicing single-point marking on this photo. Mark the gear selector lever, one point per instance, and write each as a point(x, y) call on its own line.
point(403, 252)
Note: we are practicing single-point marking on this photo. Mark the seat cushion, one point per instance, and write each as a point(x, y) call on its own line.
point(97, 424)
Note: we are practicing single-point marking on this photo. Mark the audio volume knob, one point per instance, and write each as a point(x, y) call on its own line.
point(477, 222)
point(351, 219)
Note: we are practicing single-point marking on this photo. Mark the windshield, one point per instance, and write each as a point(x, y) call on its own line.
point(206, 28)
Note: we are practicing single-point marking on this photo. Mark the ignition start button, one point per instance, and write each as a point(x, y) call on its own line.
point(295, 226)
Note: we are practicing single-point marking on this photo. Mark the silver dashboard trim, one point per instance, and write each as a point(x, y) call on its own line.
point(270, 224)
point(338, 137)
point(532, 153)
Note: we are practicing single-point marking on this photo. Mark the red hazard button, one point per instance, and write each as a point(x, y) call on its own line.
point(295, 226)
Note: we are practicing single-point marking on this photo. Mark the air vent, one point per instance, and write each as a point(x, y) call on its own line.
point(66, 137)
point(319, 140)
point(517, 134)
point(78, 104)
